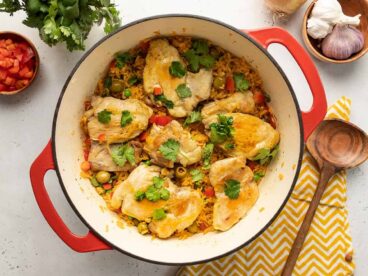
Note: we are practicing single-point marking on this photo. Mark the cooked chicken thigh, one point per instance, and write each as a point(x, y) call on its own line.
point(156, 73)
point(183, 206)
point(238, 102)
point(189, 150)
point(101, 160)
point(227, 211)
point(113, 130)
point(251, 134)
point(183, 209)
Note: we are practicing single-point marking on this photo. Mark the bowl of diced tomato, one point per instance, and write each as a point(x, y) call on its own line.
point(19, 62)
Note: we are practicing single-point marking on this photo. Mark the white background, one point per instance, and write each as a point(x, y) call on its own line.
point(28, 246)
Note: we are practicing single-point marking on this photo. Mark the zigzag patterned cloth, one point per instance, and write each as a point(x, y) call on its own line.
point(328, 245)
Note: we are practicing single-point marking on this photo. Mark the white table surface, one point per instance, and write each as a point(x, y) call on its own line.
point(28, 246)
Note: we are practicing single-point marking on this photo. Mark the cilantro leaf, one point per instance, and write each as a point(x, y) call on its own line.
point(264, 155)
point(207, 61)
point(197, 176)
point(183, 91)
point(193, 60)
point(139, 195)
point(241, 84)
point(232, 188)
point(152, 193)
point(133, 80)
point(170, 149)
point(222, 130)
point(159, 214)
point(194, 116)
point(200, 46)
point(177, 69)
point(166, 102)
point(164, 194)
point(126, 118)
point(122, 59)
point(123, 153)
point(207, 154)
point(258, 175)
point(104, 116)
point(157, 182)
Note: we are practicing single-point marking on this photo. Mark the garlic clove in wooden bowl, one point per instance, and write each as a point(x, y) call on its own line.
point(24, 63)
point(350, 8)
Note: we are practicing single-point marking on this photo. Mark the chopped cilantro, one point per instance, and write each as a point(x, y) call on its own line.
point(161, 98)
point(206, 155)
point(199, 55)
point(258, 175)
point(159, 214)
point(241, 84)
point(266, 155)
point(222, 130)
point(121, 154)
point(133, 80)
point(193, 60)
point(157, 182)
point(170, 149)
point(140, 195)
point(207, 61)
point(123, 58)
point(152, 193)
point(232, 188)
point(126, 118)
point(164, 194)
point(229, 146)
point(200, 46)
point(194, 116)
point(177, 69)
point(197, 177)
point(104, 116)
point(183, 91)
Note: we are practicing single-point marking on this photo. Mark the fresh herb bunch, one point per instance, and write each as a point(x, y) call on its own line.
point(68, 21)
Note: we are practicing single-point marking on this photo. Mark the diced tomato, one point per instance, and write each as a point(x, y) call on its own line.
point(29, 74)
point(87, 105)
point(157, 90)
point(11, 47)
point(3, 74)
point(112, 64)
point(85, 166)
point(9, 81)
point(259, 98)
point(23, 72)
point(15, 68)
point(102, 137)
point(202, 226)
point(251, 164)
point(5, 52)
point(8, 41)
point(6, 62)
point(28, 54)
point(107, 186)
point(143, 136)
point(3, 87)
point(209, 191)
point(160, 120)
point(230, 84)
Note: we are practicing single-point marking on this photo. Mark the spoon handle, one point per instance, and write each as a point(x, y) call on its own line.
point(326, 173)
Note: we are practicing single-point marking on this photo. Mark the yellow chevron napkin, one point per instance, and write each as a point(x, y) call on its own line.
point(328, 246)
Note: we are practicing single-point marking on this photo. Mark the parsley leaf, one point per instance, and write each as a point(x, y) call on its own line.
point(194, 116)
point(258, 175)
point(139, 195)
point(177, 69)
point(170, 149)
point(265, 155)
point(126, 118)
point(206, 155)
point(183, 91)
point(222, 130)
point(104, 116)
point(123, 58)
point(123, 153)
point(232, 188)
point(241, 84)
point(159, 214)
point(197, 176)
point(161, 98)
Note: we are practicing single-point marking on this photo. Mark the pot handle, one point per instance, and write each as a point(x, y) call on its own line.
point(40, 166)
point(317, 112)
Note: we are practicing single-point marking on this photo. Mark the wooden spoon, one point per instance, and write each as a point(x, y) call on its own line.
point(335, 145)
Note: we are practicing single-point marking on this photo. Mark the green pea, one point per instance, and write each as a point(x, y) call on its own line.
point(127, 93)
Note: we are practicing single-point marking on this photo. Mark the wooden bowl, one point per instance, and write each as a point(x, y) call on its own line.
point(20, 38)
point(350, 8)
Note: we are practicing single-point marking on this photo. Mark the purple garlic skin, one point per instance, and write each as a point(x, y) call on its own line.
point(342, 42)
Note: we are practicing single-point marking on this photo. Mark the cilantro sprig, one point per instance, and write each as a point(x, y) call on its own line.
point(198, 56)
point(222, 130)
point(126, 118)
point(123, 153)
point(265, 155)
point(206, 155)
point(165, 101)
point(194, 116)
point(154, 192)
point(170, 149)
point(232, 188)
point(183, 91)
point(177, 69)
point(197, 177)
point(159, 214)
point(241, 84)
point(104, 116)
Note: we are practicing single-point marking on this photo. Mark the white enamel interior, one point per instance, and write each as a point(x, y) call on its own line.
point(273, 188)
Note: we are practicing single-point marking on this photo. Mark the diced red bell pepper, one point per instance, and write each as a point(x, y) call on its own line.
point(209, 191)
point(160, 120)
point(102, 137)
point(143, 136)
point(230, 84)
point(107, 186)
point(251, 164)
point(259, 98)
point(202, 226)
point(157, 90)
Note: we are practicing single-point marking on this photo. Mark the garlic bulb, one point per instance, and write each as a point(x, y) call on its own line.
point(343, 41)
point(328, 12)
